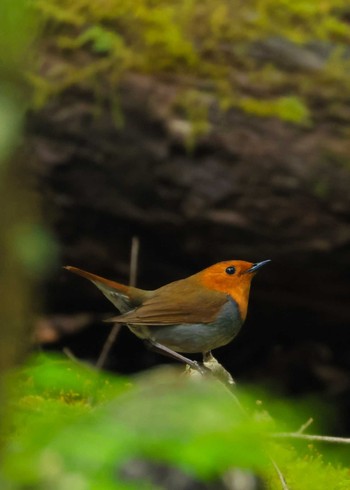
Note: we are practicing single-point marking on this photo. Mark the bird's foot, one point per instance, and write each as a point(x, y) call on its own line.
point(196, 368)
point(193, 366)
point(203, 370)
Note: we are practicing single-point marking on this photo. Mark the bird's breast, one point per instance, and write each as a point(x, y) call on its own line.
point(196, 337)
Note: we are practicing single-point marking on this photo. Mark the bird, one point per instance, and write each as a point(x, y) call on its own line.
point(193, 315)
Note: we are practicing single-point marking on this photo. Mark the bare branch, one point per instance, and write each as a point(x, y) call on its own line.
point(311, 437)
point(107, 346)
point(225, 377)
point(134, 258)
point(71, 356)
point(305, 426)
point(280, 474)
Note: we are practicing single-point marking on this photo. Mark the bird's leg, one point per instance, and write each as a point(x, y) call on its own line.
point(207, 356)
point(162, 349)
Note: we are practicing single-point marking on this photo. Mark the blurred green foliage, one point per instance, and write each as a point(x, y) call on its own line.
point(26, 249)
point(35, 247)
point(17, 23)
point(74, 427)
point(210, 44)
point(10, 124)
point(17, 29)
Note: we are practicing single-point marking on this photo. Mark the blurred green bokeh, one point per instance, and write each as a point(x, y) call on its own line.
point(17, 31)
point(26, 250)
point(10, 124)
point(73, 425)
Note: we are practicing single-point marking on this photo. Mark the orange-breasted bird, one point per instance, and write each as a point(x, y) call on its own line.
point(197, 314)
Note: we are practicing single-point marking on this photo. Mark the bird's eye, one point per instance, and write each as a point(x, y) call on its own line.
point(230, 270)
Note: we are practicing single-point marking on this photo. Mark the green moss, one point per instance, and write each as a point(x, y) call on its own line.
point(193, 107)
point(72, 424)
point(290, 109)
point(196, 41)
point(306, 469)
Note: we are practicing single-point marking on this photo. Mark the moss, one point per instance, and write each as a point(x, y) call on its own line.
point(205, 41)
point(193, 107)
point(291, 109)
point(56, 431)
point(306, 469)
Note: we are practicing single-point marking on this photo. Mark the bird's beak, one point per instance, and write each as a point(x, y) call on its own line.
point(256, 266)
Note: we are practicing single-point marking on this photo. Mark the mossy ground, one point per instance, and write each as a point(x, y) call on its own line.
point(70, 423)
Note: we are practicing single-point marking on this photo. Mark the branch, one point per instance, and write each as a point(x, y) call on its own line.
point(220, 373)
point(311, 437)
point(107, 346)
point(134, 257)
point(71, 356)
point(134, 260)
point(305, 426)
point(280, 475)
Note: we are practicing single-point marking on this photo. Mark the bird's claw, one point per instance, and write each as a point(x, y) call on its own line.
point(204, 371)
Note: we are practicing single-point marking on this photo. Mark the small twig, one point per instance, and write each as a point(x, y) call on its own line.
point(299, 434)
point(305, 426)
point(311, 437)
point(220, 373)
point(227, 380)
point(134, 260)
point(107, 346)
point(280, 474)
point(71, 356)
point(134, 257)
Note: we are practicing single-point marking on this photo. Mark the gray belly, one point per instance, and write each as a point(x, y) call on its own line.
point(193, 338)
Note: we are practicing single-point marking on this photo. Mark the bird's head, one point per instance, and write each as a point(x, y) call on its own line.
point(232, 277)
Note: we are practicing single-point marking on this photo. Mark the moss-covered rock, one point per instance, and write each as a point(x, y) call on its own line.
point(262, 56)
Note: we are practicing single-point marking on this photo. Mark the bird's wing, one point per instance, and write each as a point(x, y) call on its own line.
point(176, 303)
point(125, 298)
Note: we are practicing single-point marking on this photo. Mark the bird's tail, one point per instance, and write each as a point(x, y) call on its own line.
point(125, 298)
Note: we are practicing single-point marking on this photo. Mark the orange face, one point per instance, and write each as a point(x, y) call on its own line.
point(231, 277)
